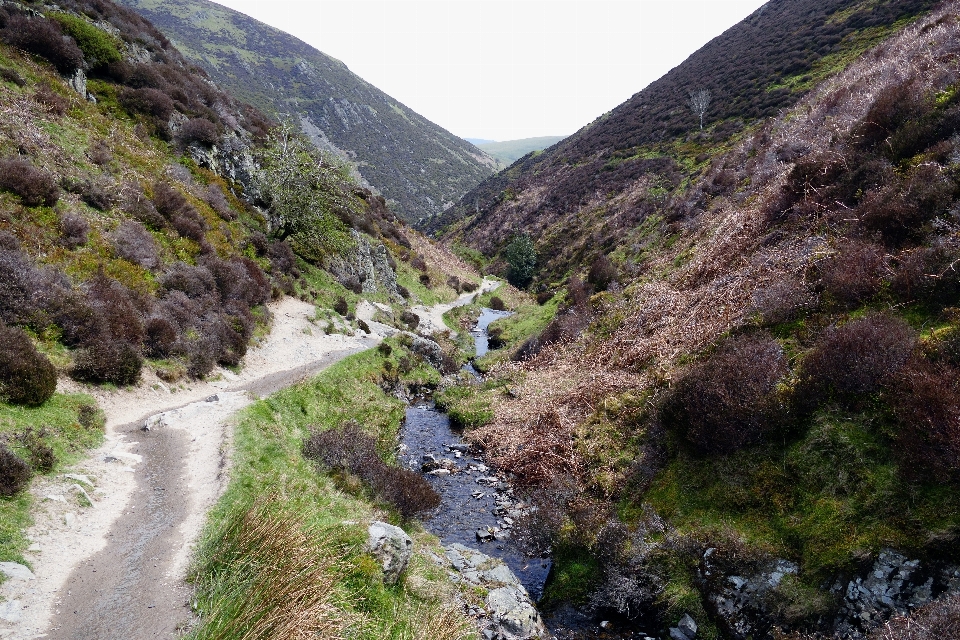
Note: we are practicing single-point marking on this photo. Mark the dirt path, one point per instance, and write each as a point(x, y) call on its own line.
point(431, 318)
point(113, 538)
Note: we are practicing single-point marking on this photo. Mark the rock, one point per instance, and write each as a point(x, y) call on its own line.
point(512, 614)
point(78, 82)
point(55, 498)
point(439, 472)
point(213, 398)
point(69, 519)
point(367, 265)
point(688, 625)
point(484, 536)
point(83, 492)
point(10, 611)
point(427, 348)
point(35, 547)
point(392, 547)
point(76, 477)
point(677, 634)
point(15, 571)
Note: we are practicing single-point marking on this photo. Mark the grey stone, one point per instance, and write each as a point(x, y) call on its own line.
point(76, 477)
point(392, 547)
point(10, 611)
point(513, 613)
point(677, 634)
point(688, 625)
point(15, 571)
point(484, 536)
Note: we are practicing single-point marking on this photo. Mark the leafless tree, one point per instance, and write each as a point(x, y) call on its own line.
point(699, 103)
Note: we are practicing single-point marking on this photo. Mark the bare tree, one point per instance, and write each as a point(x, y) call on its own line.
point(699, 103)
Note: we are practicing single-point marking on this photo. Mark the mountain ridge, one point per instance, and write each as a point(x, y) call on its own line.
point(337, 109)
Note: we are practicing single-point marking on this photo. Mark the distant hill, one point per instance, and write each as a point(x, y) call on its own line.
point(510, 151)
point(479, 141)
point(418, 166)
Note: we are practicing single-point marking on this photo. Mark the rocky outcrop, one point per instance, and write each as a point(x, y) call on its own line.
point(230, 159)
point(893, 585)
point(366, 268)
point(744, 605)
point(392, 547)
point(430, 350)
point(509, 613)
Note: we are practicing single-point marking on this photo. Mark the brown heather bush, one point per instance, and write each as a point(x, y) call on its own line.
point(729, 400)
point(340, 306)
point(194, 282)
point(100, 154)
point(42, 457)
point(418, 263)
point(403, 291)
point(469, 287)
point(425, 279)
point(348, 449)
point(852, 361)
point(783, 301)
point(410, 319)
point(53, 102)
point(218, 202)
point(602, 273)
point(160, 338)
point(117, 306)
point(926, 402)
point(14, 472)
point(939, 620)
point(107, 361)
point(282, 259)
point(497, 304)
point(853, 274)
point(26, 376)
point(198, 130)
point(43, 38)
point(11, 75)
point(149, 102)
point(34, 186)
point(134, 243)
point(74, 230)
point(928, 274)
point(139, 207)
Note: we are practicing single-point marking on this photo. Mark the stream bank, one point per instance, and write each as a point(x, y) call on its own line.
point(479, 509)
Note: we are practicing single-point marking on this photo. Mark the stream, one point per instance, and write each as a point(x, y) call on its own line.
point(478, 507)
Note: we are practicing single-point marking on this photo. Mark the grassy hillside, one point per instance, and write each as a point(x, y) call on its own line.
point(418, 166)
point(583, 195)
point(509, 151)
point(763, 369)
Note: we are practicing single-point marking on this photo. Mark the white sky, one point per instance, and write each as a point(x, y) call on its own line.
point(505, 69)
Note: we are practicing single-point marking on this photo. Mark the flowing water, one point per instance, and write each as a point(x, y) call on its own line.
point(478, 507)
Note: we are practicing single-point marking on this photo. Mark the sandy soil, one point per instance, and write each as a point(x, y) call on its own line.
point(112, 538)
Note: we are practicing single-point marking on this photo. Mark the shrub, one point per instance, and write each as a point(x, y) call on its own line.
point(198, 130)
point(468, 286)
point(14, 472)
point(34, 186)
point(782, 301)
point(602, 273)
point(90, 417)
point(139, 207)
point(54, 103)
point(134, 243)
point(96, 195)
point(363, 326)
point(149, 102)
point(348, 449)
point(852, 275)
point(928, 274)
point(26, 376)
point(341, 307)
point(108, 361)
point(938, 619)
point(521, 257)
point(418, 263)
point(729, 400)
point(74, 230)
point(852, 361)
point(99, 47)
point(239, 279)
point(100, 154)
point(44, 38)
point(218, 202)
point(282, 259)
point(403, 291)
point(497, 304)
point(194, 282)
point(115, 304)
point(926, 402)
point(410, 319)
point(160, 338)
point(11, 75)
point(385, 349)
point(42, 457)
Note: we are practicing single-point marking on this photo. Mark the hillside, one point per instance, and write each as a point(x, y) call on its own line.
point(509, 151)
point(585, 193)
point(746, 409)
point(419, 167)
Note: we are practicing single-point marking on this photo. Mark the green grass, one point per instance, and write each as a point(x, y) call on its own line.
point(268, 465)
point(529, 319)
point(57, 424)
point(820, 500)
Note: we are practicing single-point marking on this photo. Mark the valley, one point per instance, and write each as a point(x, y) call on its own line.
point(294, 362)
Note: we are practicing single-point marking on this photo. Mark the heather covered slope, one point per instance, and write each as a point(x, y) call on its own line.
point(418, 166)
point(753, 405)
point(585, 194)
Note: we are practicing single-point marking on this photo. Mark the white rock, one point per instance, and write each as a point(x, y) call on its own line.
point(35, 547)
point(69, 519)
point(55, 498)
point(10, 611)
point(392, 547)
point(84, 493)
point(15, 571)
point(77, 477)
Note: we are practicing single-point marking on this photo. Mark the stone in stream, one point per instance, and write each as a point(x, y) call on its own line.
point(392, 547)
point(511, 614)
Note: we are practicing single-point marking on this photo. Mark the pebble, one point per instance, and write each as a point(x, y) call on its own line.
point(69, 519)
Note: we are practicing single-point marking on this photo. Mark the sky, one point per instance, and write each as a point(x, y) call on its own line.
point(505, 69)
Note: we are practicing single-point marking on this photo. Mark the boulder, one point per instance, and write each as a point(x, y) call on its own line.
point(511, 614)
point(392, 547)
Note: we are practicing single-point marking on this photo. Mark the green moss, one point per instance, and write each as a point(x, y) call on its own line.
point(466, 406)
point(98, 47)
